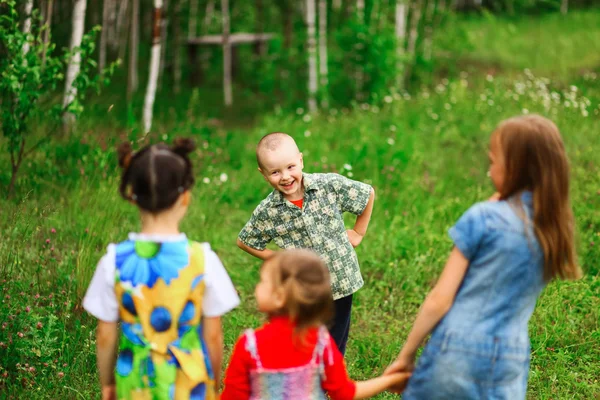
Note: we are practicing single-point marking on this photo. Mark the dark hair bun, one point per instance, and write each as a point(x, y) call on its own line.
point(125, 152)
point(183, 146)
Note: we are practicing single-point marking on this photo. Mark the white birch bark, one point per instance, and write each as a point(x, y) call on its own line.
point(360, 11)
point(227, 90)
point(193, 18)
point(27, 24)
point(400, 41)
point(134, 41)
point(47, 29)
point(564, 6)
point(312, 56)
point(75, 62)
point(103, 35)
point(164, 30)
point(154, 66)
point(323, 67)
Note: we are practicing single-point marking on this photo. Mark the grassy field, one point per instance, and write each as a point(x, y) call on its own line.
point(425, 155)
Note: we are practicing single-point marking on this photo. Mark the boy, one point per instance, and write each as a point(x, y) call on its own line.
point(306, 211)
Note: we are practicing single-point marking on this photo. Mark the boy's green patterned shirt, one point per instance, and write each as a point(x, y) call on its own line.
point(318, 226)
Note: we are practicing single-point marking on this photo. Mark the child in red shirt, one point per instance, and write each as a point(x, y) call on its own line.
point(292, 356)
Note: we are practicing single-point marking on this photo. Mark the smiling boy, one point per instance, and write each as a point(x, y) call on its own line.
point(306, 211)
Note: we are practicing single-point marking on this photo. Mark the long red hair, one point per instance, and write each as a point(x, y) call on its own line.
point(535, 159)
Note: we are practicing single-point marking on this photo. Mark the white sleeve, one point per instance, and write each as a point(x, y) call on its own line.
point(220, 296)
point(100, 299)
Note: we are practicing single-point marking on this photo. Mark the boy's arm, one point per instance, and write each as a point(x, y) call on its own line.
point(262, 254)
point(362, 222)
point(213, 334)
point(106, 350)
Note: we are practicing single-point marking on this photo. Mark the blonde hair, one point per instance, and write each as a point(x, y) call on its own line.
point(305, 280)
point(271, 142)
point(535, 159)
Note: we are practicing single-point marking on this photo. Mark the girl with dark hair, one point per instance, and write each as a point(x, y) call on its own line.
point(168, 293)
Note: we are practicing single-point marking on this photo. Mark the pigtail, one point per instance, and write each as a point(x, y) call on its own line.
point(183, 146)
point(125, 154)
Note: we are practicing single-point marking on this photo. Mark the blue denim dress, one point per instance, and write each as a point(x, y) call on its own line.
point(480, 349)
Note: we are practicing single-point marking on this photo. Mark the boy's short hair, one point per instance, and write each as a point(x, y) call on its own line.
point(270, 141)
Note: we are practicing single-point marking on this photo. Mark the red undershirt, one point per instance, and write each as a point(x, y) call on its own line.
point(297, 203)
point(278, 349)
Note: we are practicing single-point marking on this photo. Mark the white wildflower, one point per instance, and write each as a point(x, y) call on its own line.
point(223, 178)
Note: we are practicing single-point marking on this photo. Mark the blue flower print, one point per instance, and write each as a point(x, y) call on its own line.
point(143, 262)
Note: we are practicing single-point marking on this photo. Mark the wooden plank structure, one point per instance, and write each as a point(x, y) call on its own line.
point(228, 41)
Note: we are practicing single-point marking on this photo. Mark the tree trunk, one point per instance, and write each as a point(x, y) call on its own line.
point(103, 35)
point(564, 6)
point(164, 31)
point(112, 24)
point(227, 90)
point(400, 42)
point(359, 73)
point(288, 24)
point(416, 13)
point(323, 66)
point(27, 24)
point(337, 5)
point(154, 66)
point(312, 56)
point(134, 41)
point(75, 62)
point(47, 30)
point(177, 46)
point(122, 29)
point(428, 31)
point(193, 18)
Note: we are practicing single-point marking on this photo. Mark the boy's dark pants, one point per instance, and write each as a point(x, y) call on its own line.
point(341, 322)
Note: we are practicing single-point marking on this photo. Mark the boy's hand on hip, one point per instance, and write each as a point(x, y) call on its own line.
point(354, 237)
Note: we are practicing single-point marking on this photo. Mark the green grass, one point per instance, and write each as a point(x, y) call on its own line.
point(425, 156)
point(552, 44)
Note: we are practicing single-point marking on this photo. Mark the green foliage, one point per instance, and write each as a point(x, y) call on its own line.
point(27, 82)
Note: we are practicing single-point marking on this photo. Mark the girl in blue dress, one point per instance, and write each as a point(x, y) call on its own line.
point(505, 251)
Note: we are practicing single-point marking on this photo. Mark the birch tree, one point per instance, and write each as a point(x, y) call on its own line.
point(415, 21)
point(193, 19)
point(227, 90)
point(312, 56)
point(323, 67)
point(564, 6)
point(122, 28)
point(164, 30)
point(359, 74)
point(400, 42)
point(134, 40)
point(47, 29)
point(177, 46)
point(154, 66)
point(75, 61)
point(27, 24)
point(103, 35)
point(428, 30)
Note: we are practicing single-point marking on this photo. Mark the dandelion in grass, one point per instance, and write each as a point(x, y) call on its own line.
point(223, 177)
